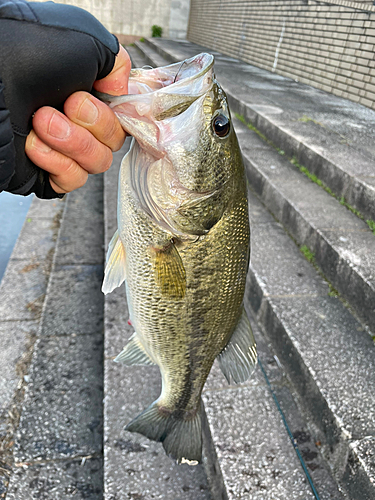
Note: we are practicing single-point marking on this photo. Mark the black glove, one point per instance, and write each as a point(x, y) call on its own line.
point(47, 52)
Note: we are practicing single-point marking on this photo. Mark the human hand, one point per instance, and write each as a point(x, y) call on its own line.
point(49, 52)
point(79, 142)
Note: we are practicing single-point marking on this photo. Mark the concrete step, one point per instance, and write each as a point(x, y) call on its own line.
point(294, 305)
point(331, 136)
point(151, 55)
point(57, 451)
point(22, 294)
point(137, 58)
point(238, 461)
point(340, 243)
point(343, 246)
point(328, 355)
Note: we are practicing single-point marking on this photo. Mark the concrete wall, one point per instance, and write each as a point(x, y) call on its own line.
point(135, 17)
point(178, 19)
point(327, 45)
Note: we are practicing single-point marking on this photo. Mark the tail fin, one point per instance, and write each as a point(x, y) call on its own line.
point(180, 434)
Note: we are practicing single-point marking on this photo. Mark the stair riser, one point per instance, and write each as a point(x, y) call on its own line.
point(160, 51)
point(145, 56)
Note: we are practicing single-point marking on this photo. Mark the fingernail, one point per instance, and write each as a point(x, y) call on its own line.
point(39, 145)
point(88, 112)
point(59, 127)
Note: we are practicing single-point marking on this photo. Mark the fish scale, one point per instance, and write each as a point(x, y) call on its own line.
point(182, 246)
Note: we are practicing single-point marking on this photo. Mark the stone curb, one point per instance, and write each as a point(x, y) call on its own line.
point(22, 291)
point(58, 444)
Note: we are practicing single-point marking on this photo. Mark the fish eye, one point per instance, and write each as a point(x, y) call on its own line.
point(221, 125)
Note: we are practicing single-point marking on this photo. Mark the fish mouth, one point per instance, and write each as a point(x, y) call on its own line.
point(178, 78)
point(165, 113)
point(175, 78)
point(158, 95)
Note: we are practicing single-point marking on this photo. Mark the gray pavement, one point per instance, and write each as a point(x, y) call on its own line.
point(57, 450)
point(22, 293)
point(77, 478)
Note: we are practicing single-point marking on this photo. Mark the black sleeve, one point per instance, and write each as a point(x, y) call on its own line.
point(48, 51)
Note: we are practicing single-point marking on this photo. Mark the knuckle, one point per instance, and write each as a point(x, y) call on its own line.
point(70, 167)
point(110, 134)
point(106, 161)
point(82, 179)
point(88, 146)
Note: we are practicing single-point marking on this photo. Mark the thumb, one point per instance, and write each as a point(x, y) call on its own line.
point(116, 83)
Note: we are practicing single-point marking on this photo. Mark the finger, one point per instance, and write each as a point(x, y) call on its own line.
point(73, 141)
point(85, 110)
point(116, 83)
point(65, 174)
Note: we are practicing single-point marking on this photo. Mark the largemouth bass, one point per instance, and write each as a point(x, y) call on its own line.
point(182, 244)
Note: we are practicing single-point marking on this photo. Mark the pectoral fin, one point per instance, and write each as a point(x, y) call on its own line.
point(115, 271)
point(238, 359)
point(169, 269)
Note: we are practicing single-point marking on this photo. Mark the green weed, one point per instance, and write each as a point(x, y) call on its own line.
point(311, 176)
point(156, 31)
point(371, 225)
point(251, 127)
point(142, 39)
point(307, 119)
point(308, 254)
point(332, 291)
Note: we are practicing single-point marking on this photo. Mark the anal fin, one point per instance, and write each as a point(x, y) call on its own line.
point(238, 359)
point(134, 354)
point(115, 270)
